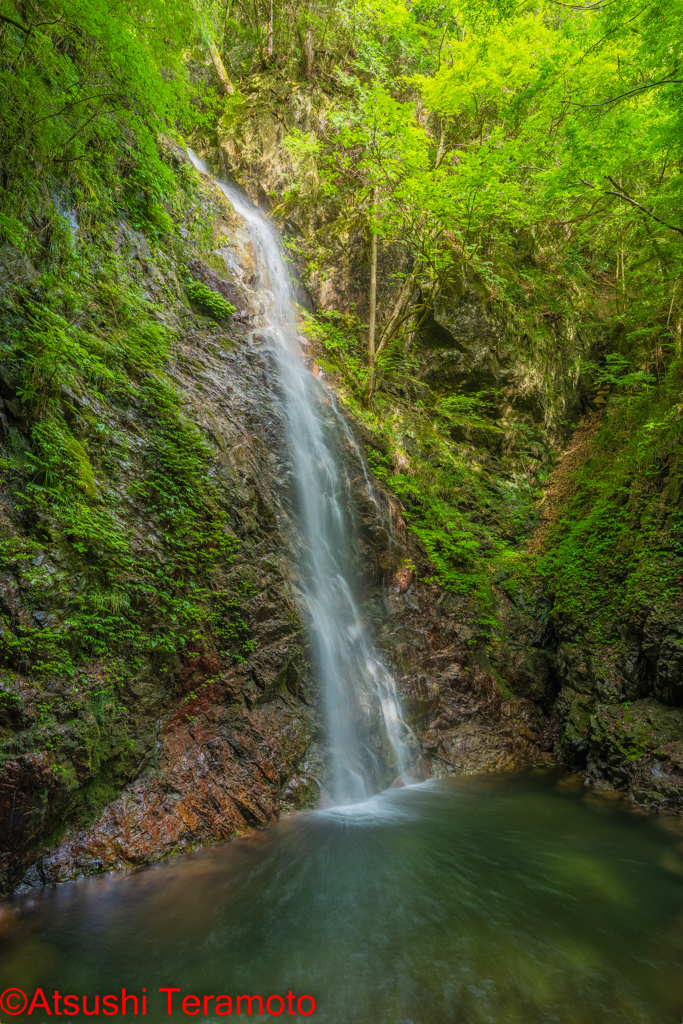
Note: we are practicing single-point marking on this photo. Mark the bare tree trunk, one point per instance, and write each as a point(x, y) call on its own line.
point(439, 152)
point(223, 77)
point(398, 312)
point(677, 322)
point(308, 54)
point(257, 23)
point(373, 305)
point(404, 310)
point(270, 29)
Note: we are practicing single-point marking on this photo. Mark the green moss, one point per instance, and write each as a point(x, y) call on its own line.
point(117, 542)
point(209, 303)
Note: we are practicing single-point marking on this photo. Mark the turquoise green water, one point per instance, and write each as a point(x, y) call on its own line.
point(510, 898)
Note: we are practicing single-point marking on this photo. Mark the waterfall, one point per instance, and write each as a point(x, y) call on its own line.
point(359, 692)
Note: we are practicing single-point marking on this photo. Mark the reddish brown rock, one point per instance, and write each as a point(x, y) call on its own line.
point(220, 772)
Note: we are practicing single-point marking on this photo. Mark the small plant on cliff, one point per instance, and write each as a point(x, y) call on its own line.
point(209, 303)
point(616, 373)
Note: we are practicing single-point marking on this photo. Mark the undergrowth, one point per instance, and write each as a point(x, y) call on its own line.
point(209, 303)
point(616, 554)
point(618, 549)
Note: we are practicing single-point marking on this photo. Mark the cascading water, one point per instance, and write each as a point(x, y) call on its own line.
point(357, 687)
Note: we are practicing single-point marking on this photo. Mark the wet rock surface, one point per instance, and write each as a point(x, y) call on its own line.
point(200, 746)
point(224, 747)
point(220, 769)
point(208, 749)
point(465, 720)
point(465, 717)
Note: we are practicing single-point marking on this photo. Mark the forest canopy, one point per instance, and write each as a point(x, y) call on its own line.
point(458, 130)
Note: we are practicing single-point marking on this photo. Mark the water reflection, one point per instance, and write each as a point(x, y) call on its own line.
point(509, 898)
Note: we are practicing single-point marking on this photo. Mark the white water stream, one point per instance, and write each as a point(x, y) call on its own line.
point(358, 689)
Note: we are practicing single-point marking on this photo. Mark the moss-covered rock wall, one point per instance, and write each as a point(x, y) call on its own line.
point(149, 629)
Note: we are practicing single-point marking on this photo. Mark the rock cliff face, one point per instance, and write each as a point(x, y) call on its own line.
point(601, 623)
point(225, 746)
point(217, 733)
point(452, 695)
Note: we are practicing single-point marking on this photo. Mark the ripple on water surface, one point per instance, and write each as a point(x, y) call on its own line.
point(481, 900)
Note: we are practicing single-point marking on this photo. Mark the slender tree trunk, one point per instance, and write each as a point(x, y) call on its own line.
point(678, 322)
point(259, 30)
point(439, 152)
point(223, 77)
point(402, 307)
point(308, 54)
point(270, 29)
point(398, 312)
point(373, 305)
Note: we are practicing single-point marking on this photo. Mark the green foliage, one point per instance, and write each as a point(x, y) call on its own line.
point(209, 303)
point(241, 33)
point(536, 147)
point(616, 373)
point(85, 85)
point(116, 548)
point(536, 150)
point(464, 511)
point(228, 625)
point(340, 345)
point(459, 408)
point(465, 516)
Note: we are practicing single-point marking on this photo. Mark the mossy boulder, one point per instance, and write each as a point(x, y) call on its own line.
point(210, 303)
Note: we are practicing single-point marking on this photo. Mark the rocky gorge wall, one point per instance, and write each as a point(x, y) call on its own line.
point(599, 596)
point(205, 722)
point(156, 689)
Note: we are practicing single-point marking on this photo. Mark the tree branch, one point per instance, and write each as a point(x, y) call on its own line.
point(10, 21)
point(397, 316)
point(622, 195)
point(579, 7)
point(632, 92)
